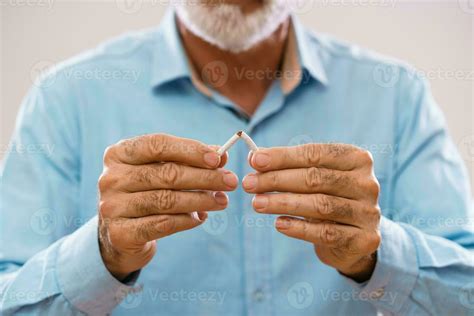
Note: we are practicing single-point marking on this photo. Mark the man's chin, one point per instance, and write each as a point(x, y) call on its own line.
point(231, 29)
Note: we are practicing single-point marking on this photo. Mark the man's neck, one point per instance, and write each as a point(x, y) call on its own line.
point(247, 76)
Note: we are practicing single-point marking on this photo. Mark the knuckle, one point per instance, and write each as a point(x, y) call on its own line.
point(305, 230)
point(158, 144)
point(168, 173)
point(145, 231)
point(106, 208)
point(329, 234)
point(274, 178)
point(287, 203)
point(322, 204)
point(313, 177)
point(107, 181)
point(130, 146)
point(109, 154)
point(377, 240)
point(373, 188)
point(376, 214)
point(165, 199)
point(311, 154)
point(210, 176)
point(366, 157)
point(166, 224)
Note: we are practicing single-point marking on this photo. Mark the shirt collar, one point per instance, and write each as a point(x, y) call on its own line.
point(170, 61)
point(308, 50)
point(169, 57)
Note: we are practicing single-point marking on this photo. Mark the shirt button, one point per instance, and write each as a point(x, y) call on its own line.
point(258, 295)
point(378, 293)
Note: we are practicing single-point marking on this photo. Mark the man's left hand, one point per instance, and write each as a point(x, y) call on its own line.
point(328, 195)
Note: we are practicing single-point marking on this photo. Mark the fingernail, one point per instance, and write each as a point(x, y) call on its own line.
point(195, 215)
point(212, 159)
point(220, 197)
point(282, 223)
point(249, 156)
point(202, 216)
point(261, 160)
point(230, 179)
point(250, 182)
point(260, 201)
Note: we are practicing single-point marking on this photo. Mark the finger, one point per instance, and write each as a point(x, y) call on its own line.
point(224, 157)
point(176, 177)
point(330, 156)
point(306, 180)
point(157, 202)
point(162, 147)
point(321, 233)
point(144, 229)
point(318, 206)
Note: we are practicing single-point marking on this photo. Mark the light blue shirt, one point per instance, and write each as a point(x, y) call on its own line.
point(236, 263)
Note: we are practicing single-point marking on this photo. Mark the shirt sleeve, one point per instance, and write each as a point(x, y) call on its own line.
point(47, 263)
point(425, 262)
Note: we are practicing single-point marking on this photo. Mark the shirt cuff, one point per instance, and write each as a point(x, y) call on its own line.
point(82, 276)
point(396, 270)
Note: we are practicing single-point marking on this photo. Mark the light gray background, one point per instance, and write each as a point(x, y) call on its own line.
point(436, 36)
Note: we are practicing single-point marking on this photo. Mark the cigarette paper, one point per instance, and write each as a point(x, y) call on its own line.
point(249, 141)
point(228, 144)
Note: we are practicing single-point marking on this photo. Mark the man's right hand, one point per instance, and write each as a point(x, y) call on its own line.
point(153, 186)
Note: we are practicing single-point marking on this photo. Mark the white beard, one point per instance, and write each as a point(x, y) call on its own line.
point(225, 26)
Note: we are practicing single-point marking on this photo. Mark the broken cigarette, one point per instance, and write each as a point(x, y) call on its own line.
point(249, 141)
point(240, 134)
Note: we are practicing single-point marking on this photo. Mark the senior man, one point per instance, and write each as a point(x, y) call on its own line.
point(159, 224)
